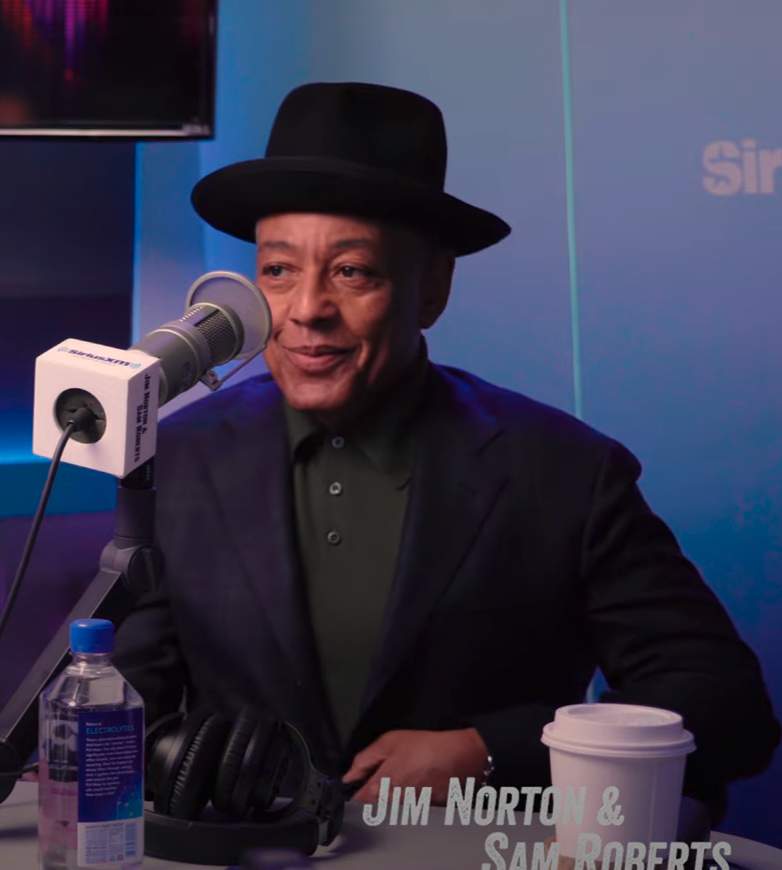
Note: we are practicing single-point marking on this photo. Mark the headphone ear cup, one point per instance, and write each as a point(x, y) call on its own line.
point(254, 762)
point(261, 776)
point(191, 777)
point(232, 760)
point(157, 742)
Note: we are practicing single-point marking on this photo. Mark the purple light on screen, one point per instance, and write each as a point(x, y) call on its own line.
point(67, 22)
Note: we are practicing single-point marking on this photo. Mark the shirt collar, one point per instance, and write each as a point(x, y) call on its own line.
point(384, 435)
point(303, 429)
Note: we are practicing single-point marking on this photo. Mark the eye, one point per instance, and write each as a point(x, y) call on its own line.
point(274, 270)
point(353, 271)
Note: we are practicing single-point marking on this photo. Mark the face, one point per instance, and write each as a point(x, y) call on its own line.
point(349, 299)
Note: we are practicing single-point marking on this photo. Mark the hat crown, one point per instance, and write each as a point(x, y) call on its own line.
point(364, 150)
point(374, 126)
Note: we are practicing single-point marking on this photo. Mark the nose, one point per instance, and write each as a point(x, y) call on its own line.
point(311, 303)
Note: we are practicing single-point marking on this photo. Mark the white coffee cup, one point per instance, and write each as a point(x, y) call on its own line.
point(639, 751)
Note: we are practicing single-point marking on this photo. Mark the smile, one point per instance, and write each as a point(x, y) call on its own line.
point(318, 359)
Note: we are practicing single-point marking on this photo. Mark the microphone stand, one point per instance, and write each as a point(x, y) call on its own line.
point(130, 565)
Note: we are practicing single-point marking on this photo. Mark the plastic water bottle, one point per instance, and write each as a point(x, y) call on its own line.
point(91, 760)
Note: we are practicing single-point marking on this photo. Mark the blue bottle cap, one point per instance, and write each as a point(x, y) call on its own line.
point(92, 636)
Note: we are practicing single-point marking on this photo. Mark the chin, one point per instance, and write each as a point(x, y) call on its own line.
point(316, 400)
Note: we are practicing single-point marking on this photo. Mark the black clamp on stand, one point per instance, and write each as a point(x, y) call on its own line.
point(130, 566)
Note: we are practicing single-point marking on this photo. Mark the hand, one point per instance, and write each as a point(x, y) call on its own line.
point(563, 862)
point(418, 759)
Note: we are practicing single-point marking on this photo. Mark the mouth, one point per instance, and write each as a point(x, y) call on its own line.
point(317, 358)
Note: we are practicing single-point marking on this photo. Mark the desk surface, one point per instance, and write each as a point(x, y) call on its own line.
point(360, 847)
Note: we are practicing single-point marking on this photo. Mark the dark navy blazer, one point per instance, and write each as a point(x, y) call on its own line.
point(528, 557)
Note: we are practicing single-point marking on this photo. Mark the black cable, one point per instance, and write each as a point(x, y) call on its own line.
point(31, 768)
point(80, 419)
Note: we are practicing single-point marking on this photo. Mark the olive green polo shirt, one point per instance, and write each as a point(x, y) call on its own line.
point(350, 494)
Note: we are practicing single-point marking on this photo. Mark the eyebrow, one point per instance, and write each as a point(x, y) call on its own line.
point(340, 245)
point(275, 246)
point(349, 244)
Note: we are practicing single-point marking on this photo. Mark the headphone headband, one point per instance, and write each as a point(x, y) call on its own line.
point(240, 767)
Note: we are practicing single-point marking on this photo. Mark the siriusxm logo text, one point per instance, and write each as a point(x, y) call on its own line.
point(97, 358)
point(740, 167)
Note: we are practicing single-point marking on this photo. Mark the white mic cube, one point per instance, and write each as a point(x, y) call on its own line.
point(125, 384)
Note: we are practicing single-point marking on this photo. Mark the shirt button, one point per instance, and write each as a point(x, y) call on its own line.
point(335, 488)
point(333, 537)
point(337, 441)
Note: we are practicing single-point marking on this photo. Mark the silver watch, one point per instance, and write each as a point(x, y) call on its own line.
point(488, 770)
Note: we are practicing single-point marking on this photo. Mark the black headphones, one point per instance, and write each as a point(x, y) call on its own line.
point(240, 767)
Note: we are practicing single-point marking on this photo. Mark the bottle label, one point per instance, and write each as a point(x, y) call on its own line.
point(111, 786)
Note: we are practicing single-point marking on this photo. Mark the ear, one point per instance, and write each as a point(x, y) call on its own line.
point(436, 287)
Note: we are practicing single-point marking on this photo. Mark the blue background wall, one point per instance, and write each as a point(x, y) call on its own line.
point(629, 293)
point(679, 293)
point(66, 256)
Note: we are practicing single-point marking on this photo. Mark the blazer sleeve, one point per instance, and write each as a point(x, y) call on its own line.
point(662, 639)
point(147, 654)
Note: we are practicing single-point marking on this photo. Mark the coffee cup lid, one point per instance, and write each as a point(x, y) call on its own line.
point(618, 729)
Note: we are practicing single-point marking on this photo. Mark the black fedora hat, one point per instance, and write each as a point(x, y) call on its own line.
point(356, 149)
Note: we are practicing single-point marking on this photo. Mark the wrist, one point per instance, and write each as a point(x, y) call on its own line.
point(484, 760)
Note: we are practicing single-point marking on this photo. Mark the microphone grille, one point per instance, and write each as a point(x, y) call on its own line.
point(220, 334)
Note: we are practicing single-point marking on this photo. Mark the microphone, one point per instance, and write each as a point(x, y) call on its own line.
point(226, 318)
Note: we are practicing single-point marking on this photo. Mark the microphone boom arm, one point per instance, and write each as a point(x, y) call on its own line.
point(211, 380)
point(130, 566)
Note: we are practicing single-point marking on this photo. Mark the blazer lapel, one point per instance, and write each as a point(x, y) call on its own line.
point(251, 478)
point(453, 488)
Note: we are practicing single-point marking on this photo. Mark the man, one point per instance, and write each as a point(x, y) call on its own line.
point(414, 567)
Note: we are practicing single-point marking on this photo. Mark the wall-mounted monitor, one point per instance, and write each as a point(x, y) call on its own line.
point(138, 69)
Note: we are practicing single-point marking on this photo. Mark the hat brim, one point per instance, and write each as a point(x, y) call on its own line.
point(235, 198)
